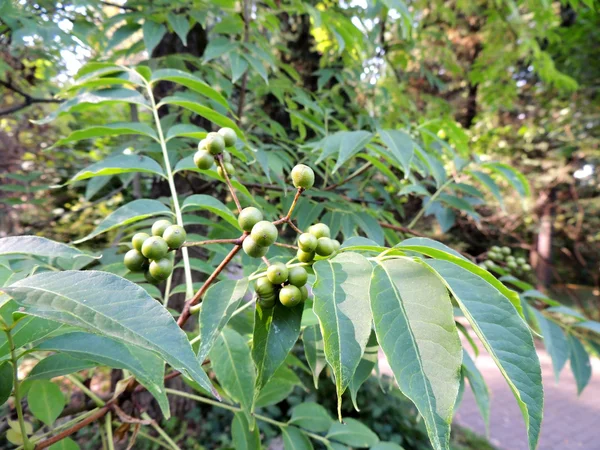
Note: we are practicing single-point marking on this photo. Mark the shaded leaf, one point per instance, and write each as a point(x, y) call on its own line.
point(312, 417)
point(45, 401)
point(6, 381)
point(153, 33)
point(243, 438)
point(314, 351)
point(580, 363)
point(479, 388)
point(401, 147)
point(352, 432)
point(555, 342)
point(113, 129)
point(295, 439)
point(191, 82)
point(57, 365)
point(120, 164)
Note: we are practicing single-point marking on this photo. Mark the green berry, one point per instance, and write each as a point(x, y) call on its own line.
point(264, 233)
point(319, 230)
point(506, 250)
point(495, 249)
point(290, 296)
point(324, 247)
point(160, 269)
point(277, 273)
point(304, 291)
point(174, 236)
point(202, 144)
point(138, 240)
point(336, 245)
point(228, 168)
point(521, 261)
point(160, 226)
point(215, 143)
point(303, 176)
point(511, 265)
point(134, 260)
point(307, 242)
point(226, 157)
point(526, 268)
point(149, 278)
point(266, 302)
point(264, 287)
point(489, 264)
point(305, 257)
point(155, 248)
point(510, 258)
point(496, 256)
point(229, 136)
point(203, 160)
point(249, 217)
point(252, 249)
point(297, 276)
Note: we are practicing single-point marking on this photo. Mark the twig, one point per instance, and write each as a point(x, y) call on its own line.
point(401, 229)
point(358, 172)
point(29, 100)
point(228, 181)
point(281, 244)
point(211, 241)
point(266, 261)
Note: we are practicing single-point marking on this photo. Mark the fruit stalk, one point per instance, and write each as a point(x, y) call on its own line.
point(228, 181)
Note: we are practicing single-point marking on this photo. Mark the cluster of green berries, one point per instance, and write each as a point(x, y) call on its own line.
point(150, 253)
point(317, 241)
point(283, 283)
point(263, 233)
point(502, 256)
point(214, 144)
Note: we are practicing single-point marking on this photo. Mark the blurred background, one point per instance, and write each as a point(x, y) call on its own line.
point(511, 81)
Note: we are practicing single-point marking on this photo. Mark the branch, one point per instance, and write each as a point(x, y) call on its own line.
point(29, 100)
point(212, 241)
point(364, 168)
point(401, 229)
point(228, 181)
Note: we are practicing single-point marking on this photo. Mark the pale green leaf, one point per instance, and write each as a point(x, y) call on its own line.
point(295, 439)
point(120, 164)
point(238, 66)
point(479, 388)
point(312, 417)
point(489, 183)
point(401, 147)
point(218, 47)
point(353, 433)
point(278, 388)
point(153, 33)
point(215, 206)
point(580, 363)
point(186, 130)
point(112, 129)
point(243, 438)
point(45, 401)
point(555, 342)
point(180, 25)
point(515, 178)
point(38, 246)
point(65, 444)
point(365, 367)
point(351, 143)
point(314, 351)
point(191, 82)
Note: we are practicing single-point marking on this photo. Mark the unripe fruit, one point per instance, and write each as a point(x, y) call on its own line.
point(249, 217)
point(510, 258)
point(336, 245)
point(252, 249)
point(266, 302)
point(290, 296)
point(229, 136)
point(161, 269)
point(138, 240)
point(155, 248)
point(506, 250)
point(149, 278)
point(215, 143)
point(134, 260)
point(324, 247)
point(228, 168)
point(495, 249)
point(489, 264)
point(160, 226)
point(203, 160)
point(226, 157)
point(304, 291)
point(496, 256)
point(264, 287)
point(174, 236)
point(202, 144)
point(511, 265)
point(264, 233)
point(319, 230)
point(526, 267)
point(305, 257)
point(307, 242)
point(277, 273)
point(303, 176)
point(297, 276)
point(521, 261)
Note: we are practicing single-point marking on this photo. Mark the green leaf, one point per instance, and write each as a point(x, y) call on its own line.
point(131, 212)
point(146, 366)
point(386, 446)
point(26, 331)
point(312, 417)
point(57, 365)
point(203, 111)
point(215, 206)
point(415, 327)
point(278, 388)
point(515, 178)
point(437, 250)
point(218, 305)
point(116, 165)
point(218, 47)
point(401, 147)
point(153, 33)
point(243, 438)
point(65, 444)
point(510, 345)
point(104, 303)
point(340, 294)
point(45, 401)
point(295, 439)
point(257, 65)
point(314, 351)
point(38, 246)
point(351, 143)
point(180, 25)
point(353, 433)
point(490, 184)
point(238, 66)
point(580, 363)
point(113, 129)
point(191, 82)
point(232, 363)
point(6, 381)
point(479, 388)
point(365, 367)
point(186, 130)
point(110, 96)
point(555, 342)
point(276, 330)
point(591, 325)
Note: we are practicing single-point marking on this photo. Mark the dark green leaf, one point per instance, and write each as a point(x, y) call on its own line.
point(180, 25)
point(191, 82)
point(479, 388)
point(57, 365)
point(153, 33)
point(201, 201)
point(45, 401)
point(218, 47)
point(113, 129)
point(580, 363)
point(401, 147)
point(238, 66)
point(278, 388)
point(313, 349)
point(120, 164)
point(365, 367)
point(312, 417)
point(555, 342)
point(512, 175)
point(6, 381)
point(243, 438)
point(295, 439)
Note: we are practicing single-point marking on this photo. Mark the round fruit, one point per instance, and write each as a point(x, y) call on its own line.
point(319, 230)
point(155, 248)
point(215, 143)
point(263, 287)
point(506, 250)
point(304, 291)
point(160, 226)
point(134, 260)
point(226, 157)
point(496, 256)
point(229, 136)
point(521, 261)
point(266, 302)
point(202, 144)
point(277, 273)
point(264, 233)
point(336, 245)
point(138, 240)
point(290, 296)
point(303, 176)
point(174, 236)
point(149, 278)
point(489, 264)
point(161, 268)
point(305, 257)
point(510, 258)
point(228, 168)
point(249, 217)
point(324, 247)
point(307, 242)
point(495, 249)
point(297, 276)
point(203, 160)
point(526, 267)
point(252, 249)
point(511, 265)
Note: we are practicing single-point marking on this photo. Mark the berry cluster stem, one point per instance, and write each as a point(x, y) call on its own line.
point(228, 181)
